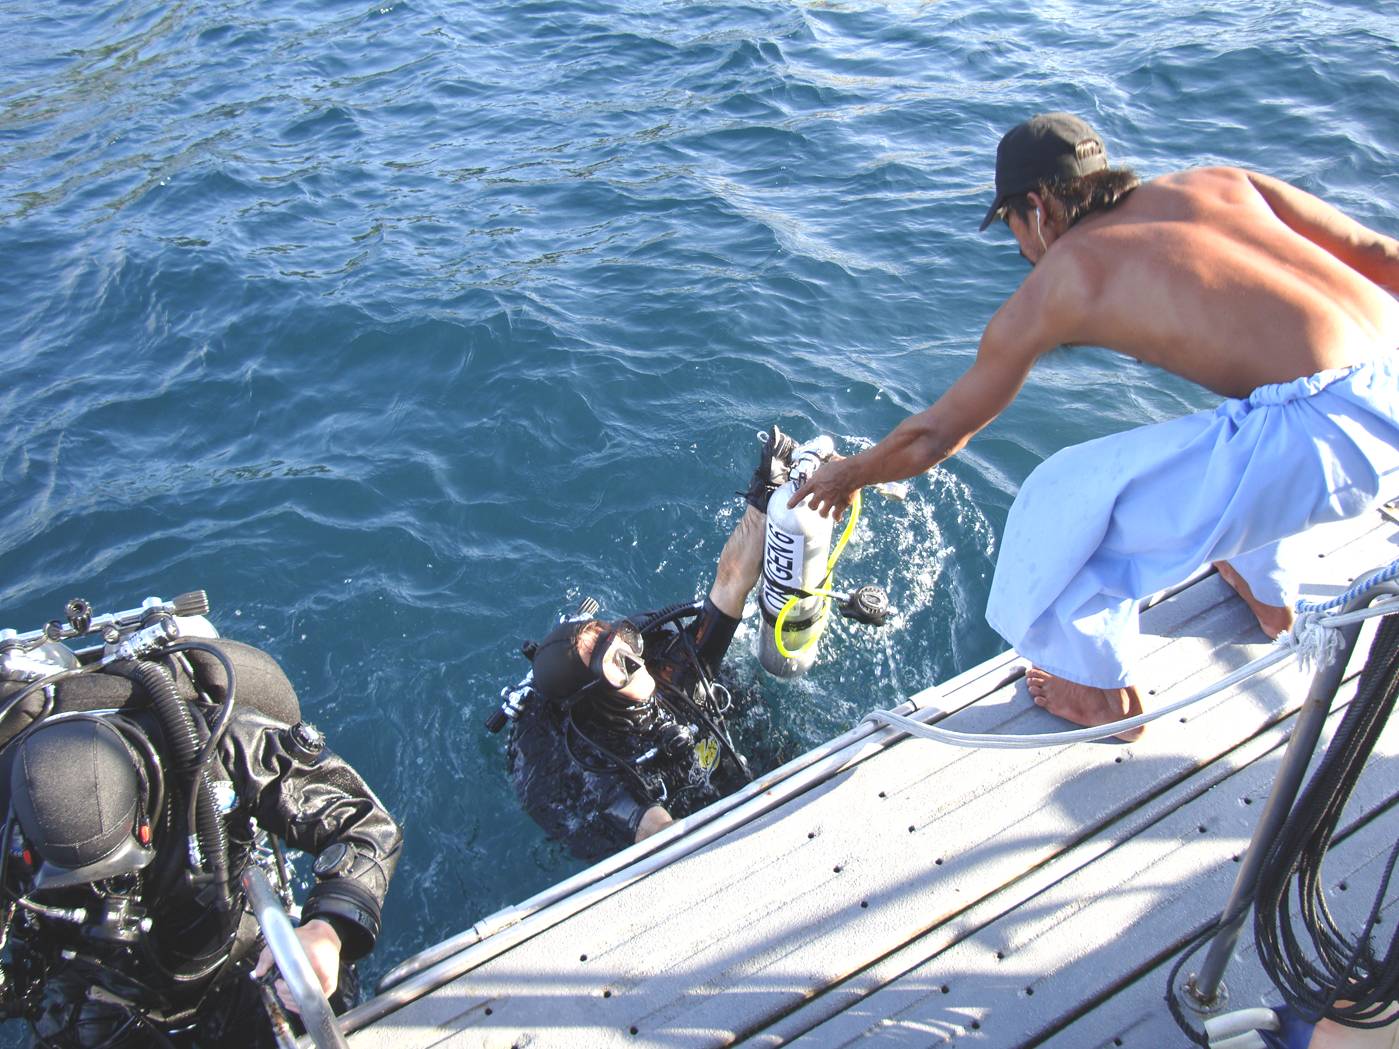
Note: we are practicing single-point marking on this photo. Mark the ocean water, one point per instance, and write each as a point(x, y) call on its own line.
point(398, 327)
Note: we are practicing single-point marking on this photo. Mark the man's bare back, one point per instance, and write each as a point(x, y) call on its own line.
point(1201, 274)
point(1228, 278)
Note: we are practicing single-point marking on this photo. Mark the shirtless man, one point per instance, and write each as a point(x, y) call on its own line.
point(1234, 280)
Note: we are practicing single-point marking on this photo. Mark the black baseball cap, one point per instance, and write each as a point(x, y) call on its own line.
point(1047, 146)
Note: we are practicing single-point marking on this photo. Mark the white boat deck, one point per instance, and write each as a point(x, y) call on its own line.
point(928, 895)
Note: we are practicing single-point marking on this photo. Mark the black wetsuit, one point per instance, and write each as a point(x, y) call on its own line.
point(589, 783)
point(190, 969)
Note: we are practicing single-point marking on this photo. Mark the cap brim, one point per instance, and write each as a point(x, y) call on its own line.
point(996, 206)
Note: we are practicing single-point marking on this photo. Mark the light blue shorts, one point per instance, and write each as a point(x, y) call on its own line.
point(1100, 525)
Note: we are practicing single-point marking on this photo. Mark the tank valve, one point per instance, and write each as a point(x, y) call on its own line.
point(79, 613)
point(195, 603)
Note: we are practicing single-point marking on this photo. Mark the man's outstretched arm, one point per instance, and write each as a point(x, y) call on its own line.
point(922, 441)
point(1371, 254)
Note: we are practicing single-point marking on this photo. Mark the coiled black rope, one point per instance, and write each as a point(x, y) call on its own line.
point(1348, 981)
point(1319, 970)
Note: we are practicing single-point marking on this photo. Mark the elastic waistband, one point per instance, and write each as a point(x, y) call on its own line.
point(1384, 370)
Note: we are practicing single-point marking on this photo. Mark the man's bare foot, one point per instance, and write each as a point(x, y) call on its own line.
point(1274, 619)
point(1084, 704)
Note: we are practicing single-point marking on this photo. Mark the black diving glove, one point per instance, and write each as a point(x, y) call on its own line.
point(773, 467)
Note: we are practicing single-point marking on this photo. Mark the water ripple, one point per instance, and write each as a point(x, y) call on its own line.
point(401, 326)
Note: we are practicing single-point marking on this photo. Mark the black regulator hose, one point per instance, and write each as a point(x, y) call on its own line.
point(615, 761)
point(649, 621)
point(183, 738)
point(220, 726)
point(719, 727)
point(44, 682)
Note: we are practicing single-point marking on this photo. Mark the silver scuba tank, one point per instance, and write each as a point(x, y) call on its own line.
point(796, 548)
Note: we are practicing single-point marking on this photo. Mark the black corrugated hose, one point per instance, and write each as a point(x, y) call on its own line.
point(183, 738)
point(1318, 969)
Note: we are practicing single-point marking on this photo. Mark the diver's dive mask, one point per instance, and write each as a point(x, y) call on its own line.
point(623, 660)
point(561, 675)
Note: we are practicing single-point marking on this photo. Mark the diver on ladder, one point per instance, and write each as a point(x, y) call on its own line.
point(620, 727)
point(138, 780)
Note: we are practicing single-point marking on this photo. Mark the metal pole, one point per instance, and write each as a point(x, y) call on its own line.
point(316, 1014)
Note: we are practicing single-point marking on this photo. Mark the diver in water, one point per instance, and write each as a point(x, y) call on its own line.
point(619, 729)
point(135, 793)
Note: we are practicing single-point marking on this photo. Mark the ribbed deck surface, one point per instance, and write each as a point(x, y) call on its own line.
point(930, 895)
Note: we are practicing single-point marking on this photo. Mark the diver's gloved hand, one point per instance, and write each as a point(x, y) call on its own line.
point(773, 466)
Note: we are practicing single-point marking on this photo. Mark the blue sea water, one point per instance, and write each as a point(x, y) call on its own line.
point(400, 326)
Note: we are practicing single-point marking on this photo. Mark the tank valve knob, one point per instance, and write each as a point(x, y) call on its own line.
point(79, 613)
point(195, 603)
point(868, 605)
point(496, 721)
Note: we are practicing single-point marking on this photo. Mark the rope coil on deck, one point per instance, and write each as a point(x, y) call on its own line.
point(1314, 639)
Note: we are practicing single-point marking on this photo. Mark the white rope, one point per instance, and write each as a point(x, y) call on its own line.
point(1315, 642)
point(1315, 637)
point(1303, 645)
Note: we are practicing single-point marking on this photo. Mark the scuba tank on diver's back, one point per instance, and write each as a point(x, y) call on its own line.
point(796, 549)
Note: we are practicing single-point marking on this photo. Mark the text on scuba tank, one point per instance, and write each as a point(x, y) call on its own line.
point(781, 556)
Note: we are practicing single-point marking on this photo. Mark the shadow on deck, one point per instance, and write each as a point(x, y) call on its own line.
point(922, 894)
